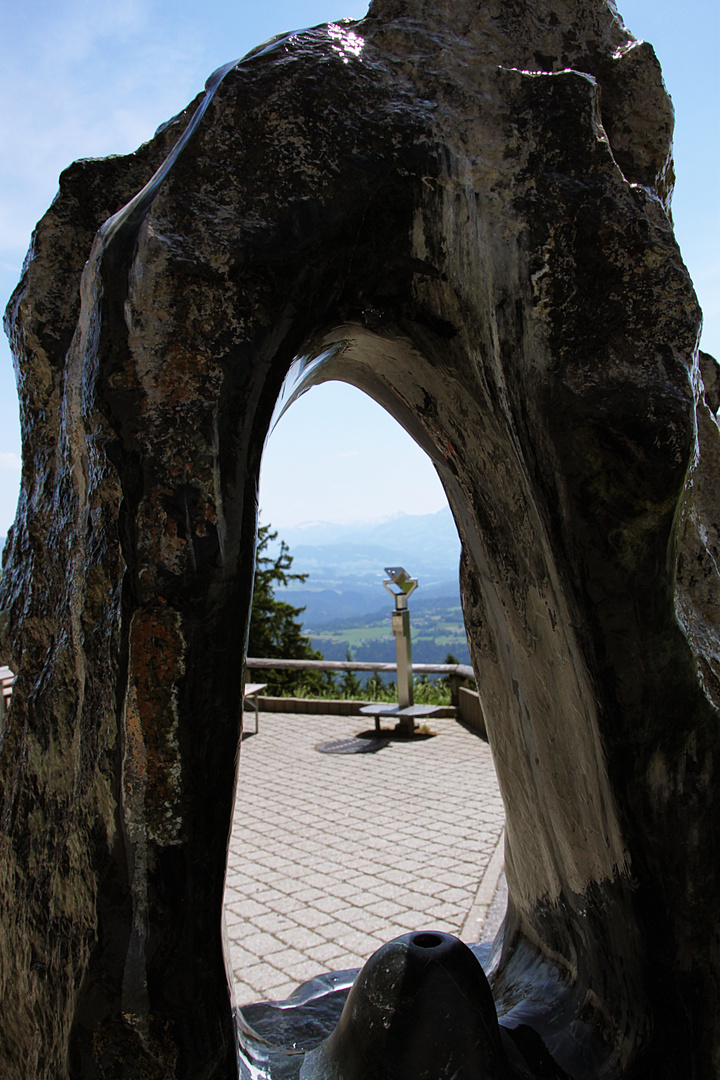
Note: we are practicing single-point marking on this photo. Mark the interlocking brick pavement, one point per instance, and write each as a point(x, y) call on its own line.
point(333, 855)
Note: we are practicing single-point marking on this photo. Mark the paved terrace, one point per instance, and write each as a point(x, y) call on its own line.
point(334, 854)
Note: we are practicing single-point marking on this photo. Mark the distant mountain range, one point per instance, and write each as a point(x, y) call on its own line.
point(428, 535)
point(346, 564)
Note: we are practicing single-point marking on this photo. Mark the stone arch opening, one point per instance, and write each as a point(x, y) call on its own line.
point(405, 805)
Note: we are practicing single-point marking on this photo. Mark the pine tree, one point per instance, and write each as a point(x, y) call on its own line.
point(274, 627)
point(375, 688)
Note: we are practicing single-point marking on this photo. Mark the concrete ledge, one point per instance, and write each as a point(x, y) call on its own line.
point(476, 918)
point(315, 706)
point(471, 711)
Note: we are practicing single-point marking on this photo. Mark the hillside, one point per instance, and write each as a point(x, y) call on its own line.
point(345, 603)
point(346, 564)
point(436, 625)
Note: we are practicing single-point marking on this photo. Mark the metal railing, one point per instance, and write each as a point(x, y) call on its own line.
point(463, 671)
point(457, 674)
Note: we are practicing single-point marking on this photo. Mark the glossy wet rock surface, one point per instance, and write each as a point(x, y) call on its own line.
point(462, 210)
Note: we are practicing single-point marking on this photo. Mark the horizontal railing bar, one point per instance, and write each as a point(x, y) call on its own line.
point(463, 670)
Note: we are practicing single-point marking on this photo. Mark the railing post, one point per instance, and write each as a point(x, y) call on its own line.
point(403, 652)
point(455, 682)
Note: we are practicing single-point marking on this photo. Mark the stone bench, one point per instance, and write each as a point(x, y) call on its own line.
point(407, 715)
point(251, 695)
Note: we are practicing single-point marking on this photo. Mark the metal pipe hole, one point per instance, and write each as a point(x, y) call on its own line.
point(427, 941)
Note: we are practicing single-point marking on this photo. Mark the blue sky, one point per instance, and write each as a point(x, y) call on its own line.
point(85, 78)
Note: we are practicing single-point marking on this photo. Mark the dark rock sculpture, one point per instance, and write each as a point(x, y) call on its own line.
point(421, 1007)
point(462, 209)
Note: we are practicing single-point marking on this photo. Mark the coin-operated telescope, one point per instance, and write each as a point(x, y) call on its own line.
point(400, 585)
